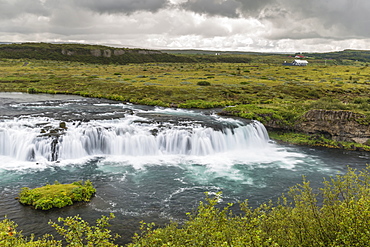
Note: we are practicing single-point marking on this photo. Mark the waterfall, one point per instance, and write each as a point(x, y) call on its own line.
point(34, 139)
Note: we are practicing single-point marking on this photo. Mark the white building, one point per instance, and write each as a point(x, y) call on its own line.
point(298, 62)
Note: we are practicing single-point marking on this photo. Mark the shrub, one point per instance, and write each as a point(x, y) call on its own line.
point(56, 195)
point(32, 90)
point(338, 214)
point(10, 237)
point(203, 83)
point(77, 232)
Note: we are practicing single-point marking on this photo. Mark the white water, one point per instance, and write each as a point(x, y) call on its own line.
point(24, 139)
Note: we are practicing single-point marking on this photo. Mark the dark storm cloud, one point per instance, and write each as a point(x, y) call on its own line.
point(257, 23)
point(122, 6)
point(347, 18)
point(228, 8)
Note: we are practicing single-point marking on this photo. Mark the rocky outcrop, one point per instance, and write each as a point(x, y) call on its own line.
point(96, 52)
point(67, 52)
point(118, 52)
point(336, 125)
point(107, 53)
point(54, 133)
point(114, 52)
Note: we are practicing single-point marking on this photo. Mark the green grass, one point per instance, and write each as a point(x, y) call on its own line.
point(56, 195)
point(264, 84)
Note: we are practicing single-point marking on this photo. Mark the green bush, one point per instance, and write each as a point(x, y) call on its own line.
point(10, 237)
point(77, 232)
point(74, 230)
point(203, 83)
point(32, 90)
point(338, 214)
point(56, 195)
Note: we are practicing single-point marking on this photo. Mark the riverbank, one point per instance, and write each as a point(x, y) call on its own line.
point(315, 141)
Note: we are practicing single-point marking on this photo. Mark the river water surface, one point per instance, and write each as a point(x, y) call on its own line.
point(147, 163)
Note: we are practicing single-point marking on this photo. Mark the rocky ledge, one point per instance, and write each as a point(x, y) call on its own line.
point(337, 125)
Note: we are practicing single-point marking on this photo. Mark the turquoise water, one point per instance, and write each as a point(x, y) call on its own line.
point(144, 168)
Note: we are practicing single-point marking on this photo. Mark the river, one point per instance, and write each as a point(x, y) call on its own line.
point(147, 163)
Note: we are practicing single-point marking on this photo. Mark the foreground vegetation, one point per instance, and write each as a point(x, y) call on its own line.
point(57, 195)
point(337, 214)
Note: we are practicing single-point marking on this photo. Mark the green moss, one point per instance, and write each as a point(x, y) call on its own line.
point(57, 195)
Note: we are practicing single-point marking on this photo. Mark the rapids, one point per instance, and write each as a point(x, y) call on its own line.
point(147, 163)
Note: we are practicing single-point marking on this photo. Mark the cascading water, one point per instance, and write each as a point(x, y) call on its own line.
point(40, 139)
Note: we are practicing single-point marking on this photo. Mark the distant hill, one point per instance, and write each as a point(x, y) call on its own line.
point(86, 53)
point(108, 55)
point(354, 55)
point(215, 52)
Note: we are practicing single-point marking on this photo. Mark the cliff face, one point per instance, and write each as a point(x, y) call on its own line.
point(109, 52)
point(336, 125)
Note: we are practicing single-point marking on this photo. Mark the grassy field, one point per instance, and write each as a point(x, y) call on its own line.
point(178, 84)
point(261, 86)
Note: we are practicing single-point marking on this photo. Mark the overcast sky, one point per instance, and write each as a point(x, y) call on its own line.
point(242, 25)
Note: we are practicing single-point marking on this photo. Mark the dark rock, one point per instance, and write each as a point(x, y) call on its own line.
point(63, 125)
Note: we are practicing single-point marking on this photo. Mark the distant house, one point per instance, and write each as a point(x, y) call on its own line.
point(300, 62)
point(296, 62)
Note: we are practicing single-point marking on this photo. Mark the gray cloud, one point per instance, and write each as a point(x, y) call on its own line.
point(227, 8)
point(330, 18)
point(335, 18)
point(228, 23)
point(122, 6)
point(16, 8)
